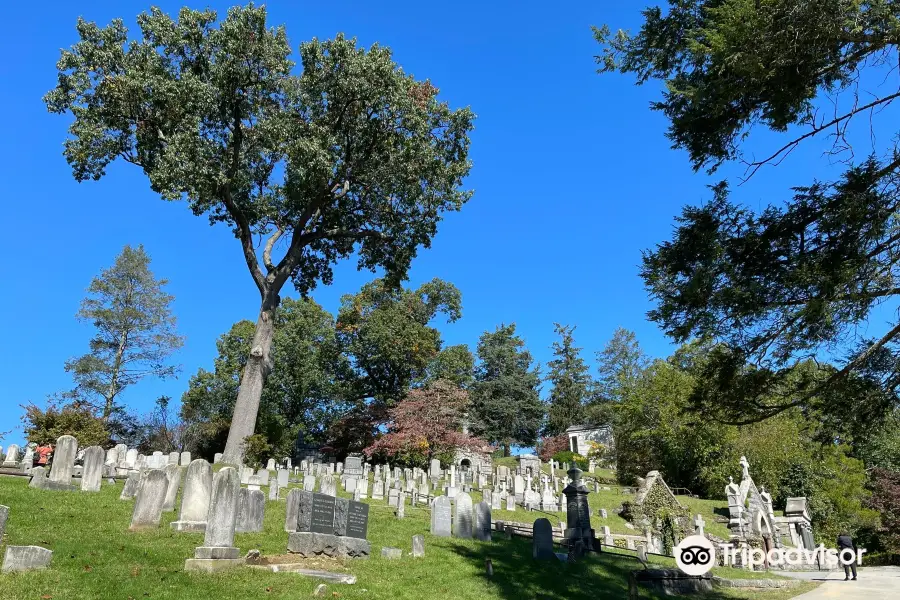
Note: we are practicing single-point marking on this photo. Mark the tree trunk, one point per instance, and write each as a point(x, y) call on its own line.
point(114, 380)
point(259, 365)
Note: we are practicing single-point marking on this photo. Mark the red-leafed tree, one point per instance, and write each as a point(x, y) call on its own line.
point(427, 423)
point(886, 500)
point(552, 444)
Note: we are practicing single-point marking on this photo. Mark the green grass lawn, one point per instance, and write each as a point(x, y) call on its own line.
point(96, 557)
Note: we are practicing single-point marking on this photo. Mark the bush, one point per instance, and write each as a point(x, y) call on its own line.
point(45, 426)
point(573, 459)
point(256, 450)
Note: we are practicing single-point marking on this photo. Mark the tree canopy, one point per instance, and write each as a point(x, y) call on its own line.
point(778, 288)
point(135, 333)
point(506, 404)
point(347, 155)
point(570, 381)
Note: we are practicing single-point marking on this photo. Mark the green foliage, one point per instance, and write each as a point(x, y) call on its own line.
point(835, 484)
point(506, 406)
point(135, 332)
point(346, 156)
point(619, 366)
point(257, 450)
point(570, 382)
point(454, 363)
point(78, 420)
point(881, 449)
point(574, 460)
point(801, 277)
point(387, 333)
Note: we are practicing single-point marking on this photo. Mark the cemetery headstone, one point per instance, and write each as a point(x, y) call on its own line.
point(173, 475)
point(463, 516)
point(218, 540)
point(26, 558)
point(418, 546)
point(130, 489)
point(185, 459)
point(93, 469)
point(579, 535)
point(483, 522)
point(292, 510)
point(251, 511)
point(148, 503)
point(196, 497)
point(12, 457)
point(63, 461)
point(441, 517)
point(274, 490)
point(542, 540)
point(4, 516)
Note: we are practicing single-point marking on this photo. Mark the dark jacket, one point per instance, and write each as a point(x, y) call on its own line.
point(845, 541)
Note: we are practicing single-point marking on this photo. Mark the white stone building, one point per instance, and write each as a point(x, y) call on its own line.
point(581, 436)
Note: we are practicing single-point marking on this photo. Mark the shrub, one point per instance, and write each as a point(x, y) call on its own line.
point(77, 420)
point(571, 458)
point(256, 450)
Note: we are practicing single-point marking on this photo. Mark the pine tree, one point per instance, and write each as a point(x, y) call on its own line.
point(571, 383)
point(506, 405)
point(135, 332)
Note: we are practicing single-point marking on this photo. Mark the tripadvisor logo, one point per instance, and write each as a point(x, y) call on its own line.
point(695, 555)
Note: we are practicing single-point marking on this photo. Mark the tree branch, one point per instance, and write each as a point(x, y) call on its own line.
point(754, 166)
point(267, 253)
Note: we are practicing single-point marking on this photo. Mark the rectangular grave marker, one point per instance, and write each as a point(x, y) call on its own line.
point(358, 520)
point(322, 514)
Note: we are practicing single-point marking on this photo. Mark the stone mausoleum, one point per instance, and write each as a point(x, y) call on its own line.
point(581, 436)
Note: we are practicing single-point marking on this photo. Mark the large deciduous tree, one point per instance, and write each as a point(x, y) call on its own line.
point(134, 337)
point(346, 155)
point(800, 278)
point(570, 383)
point(506, 403)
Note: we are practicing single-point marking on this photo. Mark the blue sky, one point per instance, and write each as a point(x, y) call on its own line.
point(572, 174)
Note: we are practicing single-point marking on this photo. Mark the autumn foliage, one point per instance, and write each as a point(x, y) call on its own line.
point(886, 500)
point(550, 445)
point(427, 423)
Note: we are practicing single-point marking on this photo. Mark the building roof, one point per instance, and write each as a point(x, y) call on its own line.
point(577, 428)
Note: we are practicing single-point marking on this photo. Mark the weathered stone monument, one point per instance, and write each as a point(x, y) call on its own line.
point(483, 522)
point(542, 540)
point(441, 517)
point(196, 497)
point(579, 535)
point(173, 476)
point(148, 504)
point(463, 521)
point(218, 551)
point(60, 478)
point(132, 484)
point(251, 511)
point(329, 526)
point(26, 558)
point(93, 469)
point(12, 457)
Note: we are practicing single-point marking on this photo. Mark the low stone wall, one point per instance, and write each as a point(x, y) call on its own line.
point(670, 582)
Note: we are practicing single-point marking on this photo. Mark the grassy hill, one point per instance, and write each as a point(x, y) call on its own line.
point(96, 557)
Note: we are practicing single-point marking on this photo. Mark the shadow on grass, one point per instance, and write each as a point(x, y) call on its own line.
point(518, 576)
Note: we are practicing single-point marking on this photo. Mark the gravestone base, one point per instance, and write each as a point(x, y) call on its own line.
point(212, 565)
point(188, 526)
point(216, 553)
point(44, 483)
point(308, 544)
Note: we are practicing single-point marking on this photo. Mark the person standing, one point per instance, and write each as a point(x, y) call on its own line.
point(44, 453)
point(845, 542)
